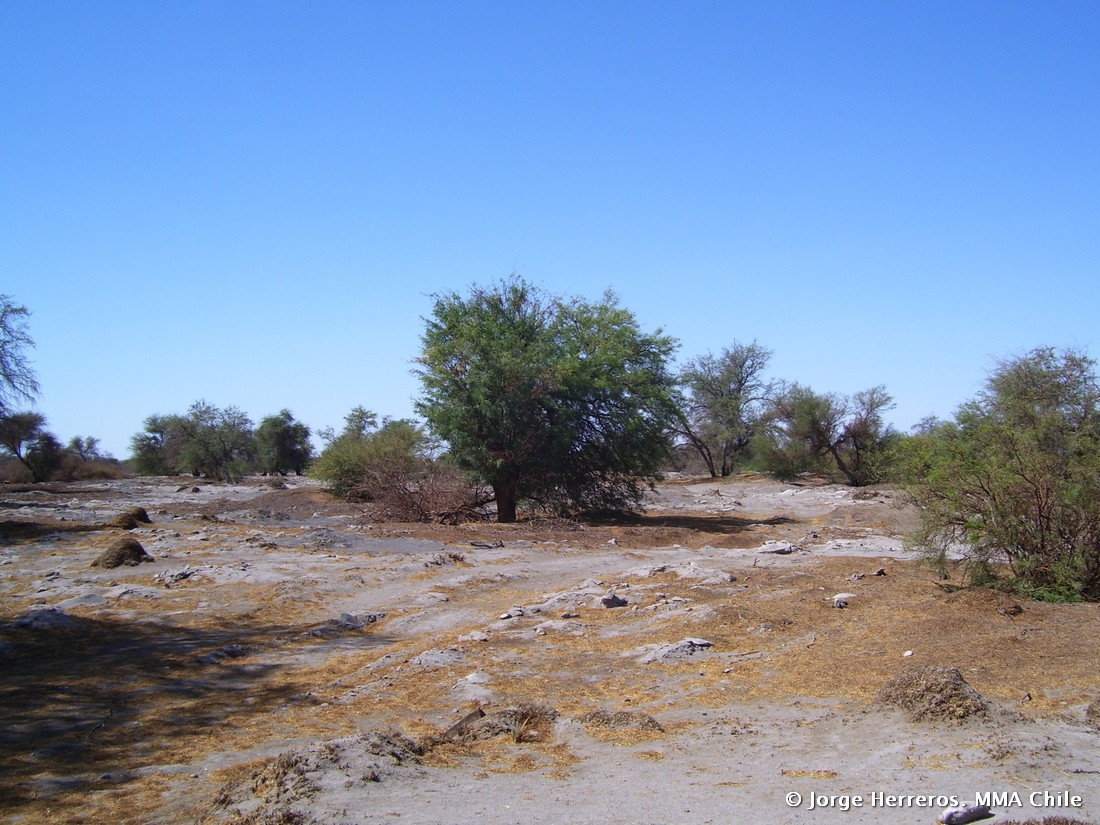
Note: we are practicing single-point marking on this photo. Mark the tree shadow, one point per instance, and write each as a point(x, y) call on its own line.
point(729, 525)
point(96, 702)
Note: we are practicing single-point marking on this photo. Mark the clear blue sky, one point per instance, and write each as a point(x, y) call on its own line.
point(251, 202)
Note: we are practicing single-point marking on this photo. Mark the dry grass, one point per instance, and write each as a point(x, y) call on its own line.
point(131, 692)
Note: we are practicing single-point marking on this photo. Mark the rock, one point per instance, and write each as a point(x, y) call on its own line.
point(880, 572)
point(676, 651)
point(168, 577)
point(439, 657)
point(964, 814)
point(612, 600)
point(349, 621)
point(49, 618)
point(125, 551)
point(841, 599)
point(224, 652)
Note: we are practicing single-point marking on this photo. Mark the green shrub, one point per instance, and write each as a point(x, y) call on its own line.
point(1013, 484)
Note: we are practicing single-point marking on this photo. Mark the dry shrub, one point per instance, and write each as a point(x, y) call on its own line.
point(125, 551)
point(435, 494)
point(932, 693)
point(523, 723)
point(1092, 714)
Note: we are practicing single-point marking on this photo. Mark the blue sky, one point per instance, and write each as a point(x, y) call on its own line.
point(251, 203)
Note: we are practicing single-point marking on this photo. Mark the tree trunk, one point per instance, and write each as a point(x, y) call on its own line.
point(834, 450)
point(506, 502)
point(34, 473)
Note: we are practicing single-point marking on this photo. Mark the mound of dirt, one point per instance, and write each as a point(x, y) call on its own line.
point(280, 791)
point(125, 551)
point(932, 693)
point(129, 519)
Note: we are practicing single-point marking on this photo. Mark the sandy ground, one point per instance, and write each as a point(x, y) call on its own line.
point(285, 659)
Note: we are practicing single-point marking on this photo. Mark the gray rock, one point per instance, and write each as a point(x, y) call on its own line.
point(49, 618)
point(677, 651)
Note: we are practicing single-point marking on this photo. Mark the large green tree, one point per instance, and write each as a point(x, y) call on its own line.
point(207, 441)
point(282, 444)
point(1015, 478)
point(726, 398)
point(564, 402)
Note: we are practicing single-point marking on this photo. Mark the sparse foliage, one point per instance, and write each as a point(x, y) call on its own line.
point(87, 447)
point(808, 429)
point(17, 379)
point(562, 402)
point(724, 405)
point(1015, 478)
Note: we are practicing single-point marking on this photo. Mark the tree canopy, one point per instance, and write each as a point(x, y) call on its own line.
point(1016, 476)
point(282, 444)
point(806, 427)
point(208, 441)
point(23, 435)
point(725, 403)
point(563, 402)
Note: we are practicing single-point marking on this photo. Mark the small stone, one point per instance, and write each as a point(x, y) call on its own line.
point(612, 600)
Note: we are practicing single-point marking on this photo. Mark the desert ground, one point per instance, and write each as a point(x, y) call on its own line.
point(282, 657)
